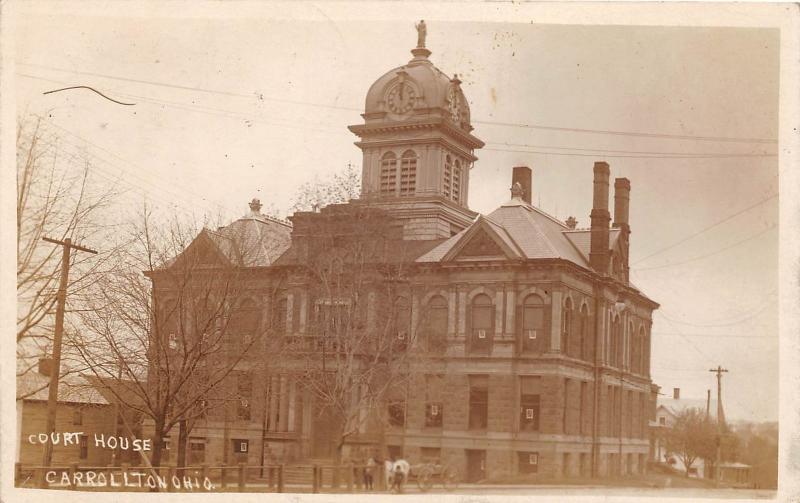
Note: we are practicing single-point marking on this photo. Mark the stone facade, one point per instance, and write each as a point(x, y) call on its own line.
point(540, 343)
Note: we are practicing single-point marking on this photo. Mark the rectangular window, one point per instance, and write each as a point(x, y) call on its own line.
point(583, 406)
point(565, 416)
point(83, 444)
point(77, 417)
point(528, 462)
point(434, 396)
point(240, 445)
point(397, 413)
point(245, 391)
point(478, 402)
point(529, 403)
point(630, 414)
point(197, 451)
point(610, 410)
point(433, 415)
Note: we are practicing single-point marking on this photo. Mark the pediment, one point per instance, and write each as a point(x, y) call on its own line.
point(482, 241)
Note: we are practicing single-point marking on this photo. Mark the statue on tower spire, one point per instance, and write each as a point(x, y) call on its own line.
point(421, 33)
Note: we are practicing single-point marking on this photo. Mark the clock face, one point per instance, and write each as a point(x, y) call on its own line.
point(401, 98)
point(454, 106)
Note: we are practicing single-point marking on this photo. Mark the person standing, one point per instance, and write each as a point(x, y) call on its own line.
point(369, 473)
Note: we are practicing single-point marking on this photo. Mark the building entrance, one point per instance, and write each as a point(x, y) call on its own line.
point(476, 465)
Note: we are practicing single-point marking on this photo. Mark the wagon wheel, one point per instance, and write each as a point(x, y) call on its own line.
point(450, 478)
point(424, 479)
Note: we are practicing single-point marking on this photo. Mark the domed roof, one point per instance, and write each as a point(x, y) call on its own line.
point(415, 88)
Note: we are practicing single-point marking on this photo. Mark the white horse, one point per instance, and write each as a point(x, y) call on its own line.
point(396, 474)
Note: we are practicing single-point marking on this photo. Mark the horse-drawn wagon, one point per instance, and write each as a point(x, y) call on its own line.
point(428, 474)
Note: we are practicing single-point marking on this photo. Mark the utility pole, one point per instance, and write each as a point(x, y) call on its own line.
point(55, 368)
point(708, 404)
point(720, 418)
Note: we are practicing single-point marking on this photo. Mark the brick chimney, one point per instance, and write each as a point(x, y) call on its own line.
point(523, 176)
point(599, 255)
point(676, 393)
point(622, 197)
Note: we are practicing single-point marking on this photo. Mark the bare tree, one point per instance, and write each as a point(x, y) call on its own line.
point(158, 334)
point(691, 437)
point(339, 188)
point(57, 197)
point(355, 271)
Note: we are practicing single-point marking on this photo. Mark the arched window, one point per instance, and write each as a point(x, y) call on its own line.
point(448, 177)
point(456, 190)
point(436, 326)
point(643, 346)
point(533, 333)
point(389, 174)
point(614, 341)
point(244, 324)
point(482, 322)
point(632, 346)
point(408, 173)
point(279, 316)
point(566, 328)
point(402, 321)
point(583, 333)
point(170, 324)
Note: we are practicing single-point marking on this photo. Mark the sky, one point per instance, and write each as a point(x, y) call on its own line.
point(232, 107)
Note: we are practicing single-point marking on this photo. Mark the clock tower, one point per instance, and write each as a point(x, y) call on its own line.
point(418, 147)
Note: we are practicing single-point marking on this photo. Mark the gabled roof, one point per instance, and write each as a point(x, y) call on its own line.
point(72, 388)
point(676, 406)
point(525, 229)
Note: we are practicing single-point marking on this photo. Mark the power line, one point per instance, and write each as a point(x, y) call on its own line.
point(354, 109)
point(172, 194)
point(716, 252)
point(631, 133)
point(689, 156)
point(605, 153)
point(705, 229)
point(506, 144)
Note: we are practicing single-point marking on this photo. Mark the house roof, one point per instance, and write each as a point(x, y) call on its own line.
point(72, 388)
point(529, 231)
point(676, 406)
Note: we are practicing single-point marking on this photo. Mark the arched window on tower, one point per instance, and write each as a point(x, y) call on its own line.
point(456, 189)
point(448, 177)
point(482, 323)
point(533, 333)
point(389, 174)
point(408, 173)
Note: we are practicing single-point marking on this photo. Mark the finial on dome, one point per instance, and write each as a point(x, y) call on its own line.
point(572, 222)
point(255, 206)
point(516, 191)
point(420, 52)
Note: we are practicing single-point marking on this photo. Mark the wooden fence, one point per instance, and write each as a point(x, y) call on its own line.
point(205, 478)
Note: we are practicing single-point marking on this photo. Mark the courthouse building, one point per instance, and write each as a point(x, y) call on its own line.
point(534, 357)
